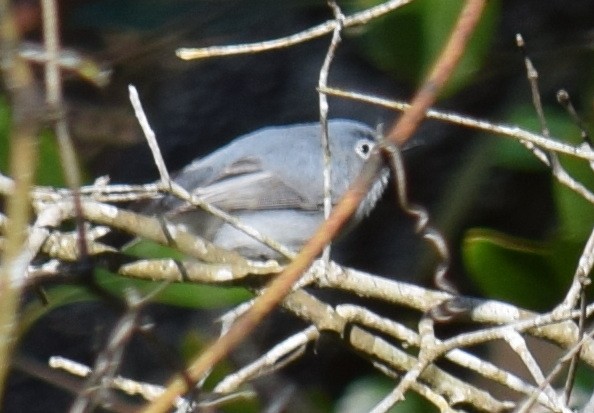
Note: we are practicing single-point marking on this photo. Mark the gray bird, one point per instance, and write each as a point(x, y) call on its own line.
point(272, 180)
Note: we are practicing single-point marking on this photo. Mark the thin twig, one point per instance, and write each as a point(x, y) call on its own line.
point(421, 216)
point(511, 131)
point(532, 141)
point(54, 98)
point(527, 405)
point(181, 193)
point(178, 191)
point(68, 59)
point(275, 358)
point(26, 117)
point(149, 134)
point(441, 382)
point(95, 392)
point(323, 103)
point(282, 284)
point(356, 19)
point(369, 320)
point(557, 169)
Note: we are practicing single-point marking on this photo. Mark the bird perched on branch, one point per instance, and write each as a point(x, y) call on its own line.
point(272, 180)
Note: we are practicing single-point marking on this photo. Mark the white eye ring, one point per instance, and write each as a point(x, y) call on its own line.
point(363, 148)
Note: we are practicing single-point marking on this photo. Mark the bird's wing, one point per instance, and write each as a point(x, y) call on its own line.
point(246, 184)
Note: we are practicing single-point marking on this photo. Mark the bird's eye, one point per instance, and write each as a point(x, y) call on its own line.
point(363, 148)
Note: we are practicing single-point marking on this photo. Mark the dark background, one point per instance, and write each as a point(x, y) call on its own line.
point(195, 107)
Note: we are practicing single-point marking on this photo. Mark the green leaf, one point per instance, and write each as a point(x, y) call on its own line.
point(509, 153)
point(49, 167)
point(150, 249)
point(406, 42)
point(438, 21)
point(576, 215)
point(4, 117)
point(49, 170)
point(178, 294)
point(187, 295)
point(4, 130)
point(511, 269)
point(584, 379)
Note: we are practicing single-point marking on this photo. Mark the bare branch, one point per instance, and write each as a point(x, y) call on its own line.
point(26, 121)
point(356, 19)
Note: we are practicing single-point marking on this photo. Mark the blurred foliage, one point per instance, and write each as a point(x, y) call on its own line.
point(149, 249)
point(57, 296)
point(49, 171)
point(195, 343)
point(131, 14)
point(532, 273)
point(407, 42)
point(192, 296)
point(510, 269)
point(364, 393)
